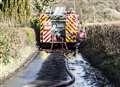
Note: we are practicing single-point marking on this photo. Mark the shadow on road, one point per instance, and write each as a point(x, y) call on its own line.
point(52, 71)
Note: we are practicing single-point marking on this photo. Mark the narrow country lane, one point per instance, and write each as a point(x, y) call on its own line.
point(49, 69)
point(57, 31)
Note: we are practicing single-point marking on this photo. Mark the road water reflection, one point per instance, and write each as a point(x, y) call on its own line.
point(86, 75)
point(48, 69)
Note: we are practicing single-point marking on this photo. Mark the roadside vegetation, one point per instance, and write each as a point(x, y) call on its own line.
point(98, 10)
point(14, 12)
point(16, 45)
point(14, 15)
point(102, 48)
point(17, 39)
point(11, 40)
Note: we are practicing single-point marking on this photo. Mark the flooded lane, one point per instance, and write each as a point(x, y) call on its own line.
point(86, 75)
point(49, 69)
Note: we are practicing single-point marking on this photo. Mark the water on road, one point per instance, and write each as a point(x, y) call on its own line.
point(49, 69)
point(86, 75)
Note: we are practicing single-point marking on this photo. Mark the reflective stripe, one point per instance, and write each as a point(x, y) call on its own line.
point(68, 29)
point(47, 36)
point(71, 28)
point(68, 39)
point(45, 31)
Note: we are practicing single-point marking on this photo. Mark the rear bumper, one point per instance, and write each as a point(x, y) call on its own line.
point(61, 45)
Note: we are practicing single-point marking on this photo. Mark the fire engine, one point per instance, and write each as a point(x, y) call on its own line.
point(60, 29)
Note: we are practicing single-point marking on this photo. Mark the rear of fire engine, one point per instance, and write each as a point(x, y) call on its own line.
point(59, 30)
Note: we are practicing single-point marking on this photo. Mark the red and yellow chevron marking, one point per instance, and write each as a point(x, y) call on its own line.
point(71, 28)
point(44, 18)
point(47, 37)
point(69, 39)
point(45, 31)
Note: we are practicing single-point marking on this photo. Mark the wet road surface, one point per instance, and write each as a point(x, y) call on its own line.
point(27, 75)
point(49, 69)
point(86, 75)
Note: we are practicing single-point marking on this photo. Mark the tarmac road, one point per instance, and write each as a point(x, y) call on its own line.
point(49, 69)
